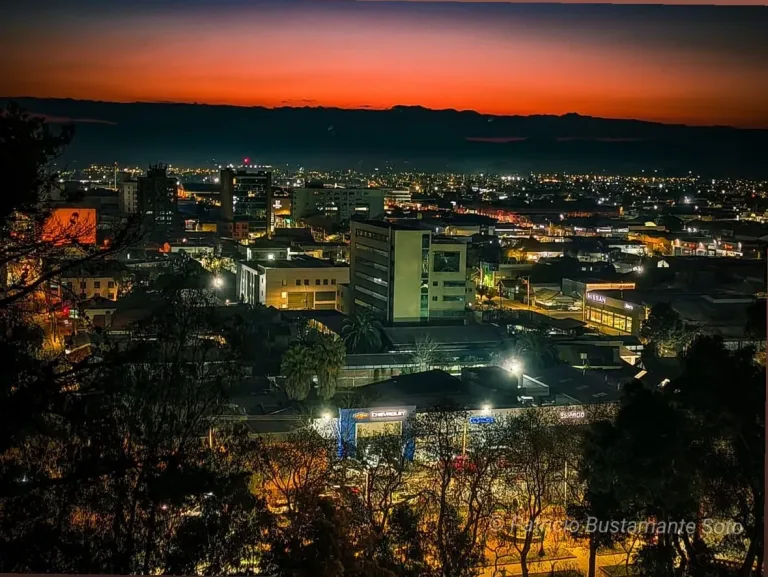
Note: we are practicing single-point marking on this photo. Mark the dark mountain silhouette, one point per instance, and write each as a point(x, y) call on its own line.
point(402, 136)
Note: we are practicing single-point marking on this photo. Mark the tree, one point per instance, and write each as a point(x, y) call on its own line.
point(34, 248)
point(288, 470)
point(722, 396)
point(756, 320)
point(456, 502)
point(596, 499)
point(534, 453)
point(361, 332)
point(693, 450)
point(104, 485)
point(664, 333)
point(298, 369)
point(221, 533)
point(318, 358)
point(535, 350)
point(329, 357)
point(323, 537)
point(427, 355)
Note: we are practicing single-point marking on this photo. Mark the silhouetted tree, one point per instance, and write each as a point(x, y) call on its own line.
point(361, 332)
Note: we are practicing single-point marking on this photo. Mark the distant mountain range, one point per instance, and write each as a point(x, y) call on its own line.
point(401, 137)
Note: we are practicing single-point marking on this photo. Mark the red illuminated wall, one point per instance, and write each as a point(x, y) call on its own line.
point(67, 226)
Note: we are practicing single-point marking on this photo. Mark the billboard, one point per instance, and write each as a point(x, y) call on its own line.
point(68, 226)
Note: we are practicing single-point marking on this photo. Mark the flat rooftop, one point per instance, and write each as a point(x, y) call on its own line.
point(297, 262)
point(402, 224)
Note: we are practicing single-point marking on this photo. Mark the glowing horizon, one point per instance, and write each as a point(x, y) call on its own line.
point(684, 65)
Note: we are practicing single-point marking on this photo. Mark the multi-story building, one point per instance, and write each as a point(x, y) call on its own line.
point(302, 283)
point(398, 197)
point(128, 200)
point(247, 193)
point(87, 283)
point(340, 204)
point(158, 201)
point(405, 274)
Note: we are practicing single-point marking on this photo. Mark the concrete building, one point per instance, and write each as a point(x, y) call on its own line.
point(615, 312)
point(406, 274)
point(302, 283)
point(247, 193)
point(340, 204)
point(128, 201)
point(158, 201)
point(398, 197)
point(91, 282)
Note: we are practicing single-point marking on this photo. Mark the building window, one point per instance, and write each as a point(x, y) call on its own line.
point(447, 261)
point(82, 284)
point(284, 295)
point(370, 249)
point(325, 281)
point(372, 235)
point(453, 298)
point(454, 283)
point(370, 263)
point(375, 295)
point(110, 284)
point(425, 241)
point(317, 282)
point(435, 283)
point(306, 282)
point(333, 281)
point(284, 283)
point(97, 284)
point(111, 297)
point(434, 299)
point(369, 278)
point(325, 296)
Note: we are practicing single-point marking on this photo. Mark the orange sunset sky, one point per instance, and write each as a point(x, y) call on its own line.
point(689, 64)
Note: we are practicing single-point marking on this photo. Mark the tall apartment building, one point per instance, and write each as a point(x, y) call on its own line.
point(247, 193)
point(405, 274)
point(128, 196)
point(302, 283)
point(338, 203)
point(157, 200)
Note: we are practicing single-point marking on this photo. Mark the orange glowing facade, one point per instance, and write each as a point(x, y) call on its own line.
point(68, 226)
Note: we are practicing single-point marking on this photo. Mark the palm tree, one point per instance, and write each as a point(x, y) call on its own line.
point(329, 356)
point(535, 350)
point(362, 332)
point(298, 368)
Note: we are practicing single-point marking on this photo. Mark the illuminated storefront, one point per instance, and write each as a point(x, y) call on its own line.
point(357, 424)
point(615, 314)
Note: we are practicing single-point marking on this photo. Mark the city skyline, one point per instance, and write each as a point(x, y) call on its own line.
point(674, 64)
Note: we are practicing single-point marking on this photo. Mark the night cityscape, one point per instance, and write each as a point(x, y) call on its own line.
point(383, 289)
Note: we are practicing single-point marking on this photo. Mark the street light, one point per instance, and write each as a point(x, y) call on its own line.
point(513, 365)
point(487, 408)
point(218, 282)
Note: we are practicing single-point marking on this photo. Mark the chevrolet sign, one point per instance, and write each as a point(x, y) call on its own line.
point(388, 414)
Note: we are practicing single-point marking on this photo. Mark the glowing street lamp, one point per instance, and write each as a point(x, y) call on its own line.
point(513, 365)
point(218, 282)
